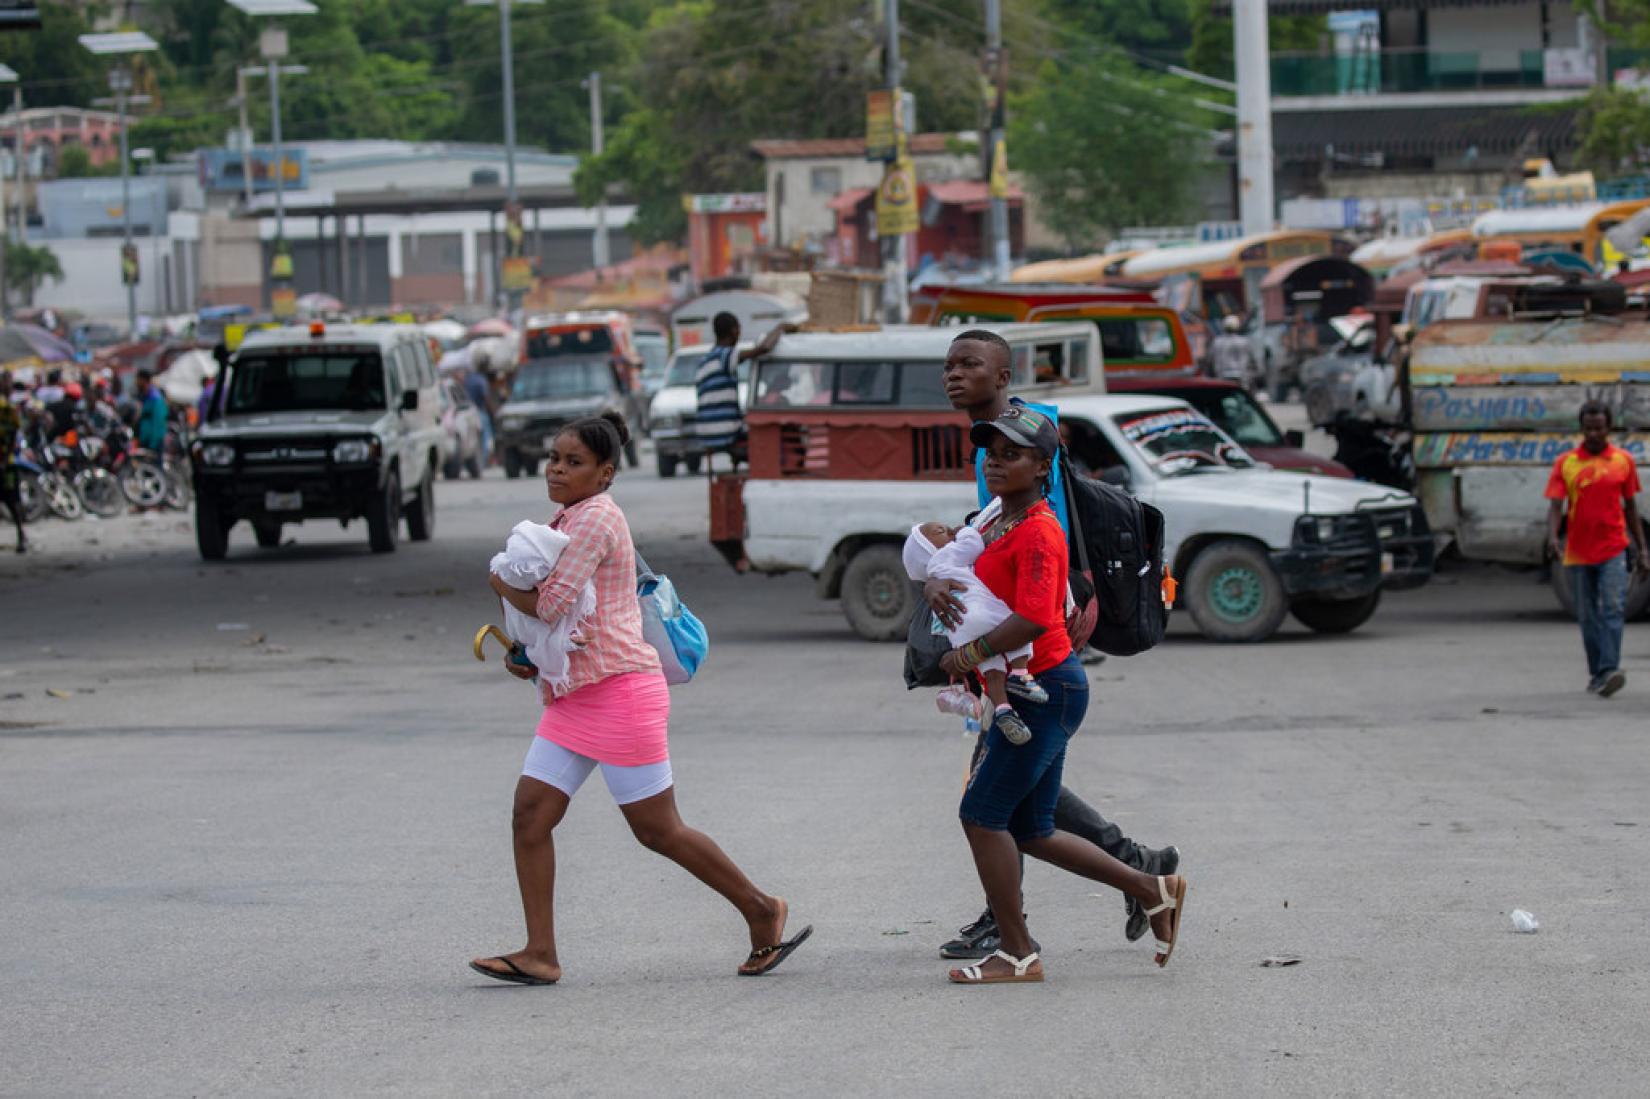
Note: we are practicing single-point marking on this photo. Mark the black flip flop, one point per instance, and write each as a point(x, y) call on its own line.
point(516, 976)
point(780, 951)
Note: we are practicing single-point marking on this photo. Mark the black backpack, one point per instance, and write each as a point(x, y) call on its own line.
point(1116, 558)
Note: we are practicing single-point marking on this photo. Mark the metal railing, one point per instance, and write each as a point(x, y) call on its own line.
point(1412, 69)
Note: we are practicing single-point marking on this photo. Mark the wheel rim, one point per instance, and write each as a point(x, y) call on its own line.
point(883, 594)
point(1236, 593)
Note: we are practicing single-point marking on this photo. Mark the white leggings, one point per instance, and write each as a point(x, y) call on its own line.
point(566, 770)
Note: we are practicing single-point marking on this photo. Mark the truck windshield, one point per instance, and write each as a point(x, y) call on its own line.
point(1235, 412)
point(537, 381)
point(273, 382)
point(548, 343)
point(1179, 440)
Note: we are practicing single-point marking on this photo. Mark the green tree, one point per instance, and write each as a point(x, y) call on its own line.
point(1211, 48)
point(1162, 28)
point(1105, 145)
point(712, 76)
point(76, 164)
point(51, 63)
point(27, 267)
point(1614, 125)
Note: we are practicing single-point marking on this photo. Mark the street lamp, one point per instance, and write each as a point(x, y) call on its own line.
point(272, 45)
point(121, 44)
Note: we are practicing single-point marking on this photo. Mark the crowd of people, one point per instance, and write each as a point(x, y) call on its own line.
point(42, 409)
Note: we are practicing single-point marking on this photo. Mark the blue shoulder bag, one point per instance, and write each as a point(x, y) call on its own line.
point(669, 626)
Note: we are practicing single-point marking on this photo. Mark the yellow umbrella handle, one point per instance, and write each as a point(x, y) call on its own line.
point(486, 632)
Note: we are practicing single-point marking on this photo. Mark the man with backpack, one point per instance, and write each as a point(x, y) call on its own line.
point(976, 383)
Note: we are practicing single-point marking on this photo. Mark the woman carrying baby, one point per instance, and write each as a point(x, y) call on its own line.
point(1008, 805)
point(613, 713)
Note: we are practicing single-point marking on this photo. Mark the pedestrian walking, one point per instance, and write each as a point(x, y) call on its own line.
point(480, 394)
point(1008, 806)
point(613, 713)
point(976, 383)
point(11, 426)
point(1232, 355)
point(720, 422)
point(1591, 489)
point(153, 413)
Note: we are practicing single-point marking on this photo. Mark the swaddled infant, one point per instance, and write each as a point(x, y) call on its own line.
point(934, 551)
point(529, 554)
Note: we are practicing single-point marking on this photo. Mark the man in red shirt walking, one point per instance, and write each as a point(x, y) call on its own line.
point(1598, 482)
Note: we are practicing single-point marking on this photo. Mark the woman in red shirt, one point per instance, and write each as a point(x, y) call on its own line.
point(613, 715)
point(1008, 806)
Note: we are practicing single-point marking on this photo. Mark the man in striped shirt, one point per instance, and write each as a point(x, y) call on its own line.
point(721, 422)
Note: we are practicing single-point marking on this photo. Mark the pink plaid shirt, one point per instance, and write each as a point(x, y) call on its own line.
point(600, 552)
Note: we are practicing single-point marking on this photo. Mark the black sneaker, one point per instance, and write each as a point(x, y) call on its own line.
point(1595, 683)
point(968, 940)
point(1013, 727)
point(1157, 863)
point(1613, 681)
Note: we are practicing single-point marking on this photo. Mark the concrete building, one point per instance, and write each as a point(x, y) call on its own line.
point(46, 131)
point(1427, 97)
point(374, 223)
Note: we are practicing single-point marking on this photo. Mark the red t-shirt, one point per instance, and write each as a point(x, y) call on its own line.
point(1595, 487)
point(1026, 568)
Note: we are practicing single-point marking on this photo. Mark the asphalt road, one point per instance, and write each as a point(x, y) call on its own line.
point(249, 843)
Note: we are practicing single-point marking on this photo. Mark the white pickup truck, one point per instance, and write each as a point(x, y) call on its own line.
point(1248, 544)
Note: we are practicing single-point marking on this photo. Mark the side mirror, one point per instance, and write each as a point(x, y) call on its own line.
point(409, 401)
point(1294, 437)
point(1116, 475)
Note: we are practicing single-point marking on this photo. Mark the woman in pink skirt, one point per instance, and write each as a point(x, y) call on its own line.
point(614, 714)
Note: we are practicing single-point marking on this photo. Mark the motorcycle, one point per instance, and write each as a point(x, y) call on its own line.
point(1374, 451)
point(75, 457)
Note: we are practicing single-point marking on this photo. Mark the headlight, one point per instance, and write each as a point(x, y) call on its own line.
point(512, 423)
point(1315, 528)
point(218, 454)
point(354, 450)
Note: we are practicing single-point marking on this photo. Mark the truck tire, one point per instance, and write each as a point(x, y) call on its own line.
point(1234, 594)
point(268, 533)
point(384, 517)
point(530, 466)
point(667, 465)
point(1638, 594)
point(421, 515)
point(512, 463)
point(451, 468)
point(473, 466)
point(694, 461)
point(876, 593)
point(1335, 615)
point(632, 455)
point(211, 532)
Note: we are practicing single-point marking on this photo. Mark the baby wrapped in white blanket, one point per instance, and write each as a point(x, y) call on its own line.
point(529, 554)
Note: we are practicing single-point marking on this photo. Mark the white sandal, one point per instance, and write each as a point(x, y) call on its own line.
point(974, 975)
point(1175, 903)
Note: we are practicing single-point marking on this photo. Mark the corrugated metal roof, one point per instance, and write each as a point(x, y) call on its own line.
point(821, 147)
point(1423, 131)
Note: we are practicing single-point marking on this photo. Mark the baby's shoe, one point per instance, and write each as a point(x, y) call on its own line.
point(1012, 726)
point(1022, 685)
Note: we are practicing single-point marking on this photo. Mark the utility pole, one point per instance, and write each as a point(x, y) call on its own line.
point(121, 81)
point(1254, 118)
point(997, 164)
point(507, 54)
point(8, 75)
point(893, 246)
point(21, 145)
point(599, 245)
point(245, 137)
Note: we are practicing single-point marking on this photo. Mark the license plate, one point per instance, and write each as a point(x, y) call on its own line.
point(1387, 563)
point(283, 501)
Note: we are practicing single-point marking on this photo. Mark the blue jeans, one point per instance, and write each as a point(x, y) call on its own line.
point(1014, 788)
point(1601, 601)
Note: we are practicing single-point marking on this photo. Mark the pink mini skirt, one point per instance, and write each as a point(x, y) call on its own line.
point(623, 720)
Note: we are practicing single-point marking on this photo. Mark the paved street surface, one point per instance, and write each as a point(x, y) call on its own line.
point(253, 847)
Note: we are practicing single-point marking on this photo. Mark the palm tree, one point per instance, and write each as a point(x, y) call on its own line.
point(27, 267)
